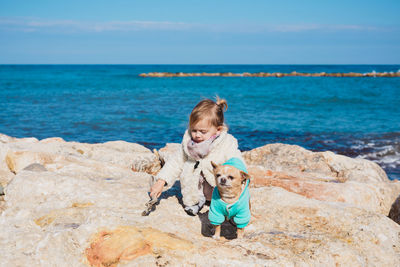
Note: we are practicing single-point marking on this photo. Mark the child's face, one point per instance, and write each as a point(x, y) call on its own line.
point(203, 130)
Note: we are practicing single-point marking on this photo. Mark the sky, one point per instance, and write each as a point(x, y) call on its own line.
point(199, 32)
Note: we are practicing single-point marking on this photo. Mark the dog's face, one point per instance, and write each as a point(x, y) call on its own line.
point(230, 180)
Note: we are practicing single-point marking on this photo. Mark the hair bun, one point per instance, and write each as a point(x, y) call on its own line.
point(222, 103)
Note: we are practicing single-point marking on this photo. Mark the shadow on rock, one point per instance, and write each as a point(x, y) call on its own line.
point(394, 212)
point(228, 229)
point(174, 191)
point(152, 204)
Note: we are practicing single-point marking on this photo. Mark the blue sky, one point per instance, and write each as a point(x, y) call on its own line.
point(199, 32)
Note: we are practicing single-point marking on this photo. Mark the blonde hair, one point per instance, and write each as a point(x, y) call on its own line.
point(207, 108)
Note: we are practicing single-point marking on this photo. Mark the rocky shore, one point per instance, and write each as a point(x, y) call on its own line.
point(274, 74)
point(77, 204)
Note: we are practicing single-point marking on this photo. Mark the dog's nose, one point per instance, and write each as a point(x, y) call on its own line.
point(223, 180)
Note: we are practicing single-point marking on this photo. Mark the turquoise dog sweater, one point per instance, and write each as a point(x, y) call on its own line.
point(239, 211)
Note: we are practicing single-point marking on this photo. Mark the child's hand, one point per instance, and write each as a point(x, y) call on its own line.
point(156, 189)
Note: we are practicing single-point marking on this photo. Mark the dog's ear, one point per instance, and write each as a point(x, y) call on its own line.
point(214, 165)
point(245, 176)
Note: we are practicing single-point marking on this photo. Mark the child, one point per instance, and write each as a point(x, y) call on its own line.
point(204, 141)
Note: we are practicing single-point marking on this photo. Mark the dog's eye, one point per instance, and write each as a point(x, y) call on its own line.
point(218, 175)
point(230, 177)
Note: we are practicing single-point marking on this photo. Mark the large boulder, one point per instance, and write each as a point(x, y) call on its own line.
point(323, 176)
point(295, 159)
point(16, 154)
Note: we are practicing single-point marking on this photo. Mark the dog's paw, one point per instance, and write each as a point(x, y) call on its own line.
point(250, 228)
point(216, 237)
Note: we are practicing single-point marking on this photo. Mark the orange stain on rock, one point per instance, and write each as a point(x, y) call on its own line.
point(81, 205)
point(45, 220)
point(305, 187)
point(126, 243)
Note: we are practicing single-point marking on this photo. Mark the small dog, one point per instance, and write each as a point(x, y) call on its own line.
point(231, 197)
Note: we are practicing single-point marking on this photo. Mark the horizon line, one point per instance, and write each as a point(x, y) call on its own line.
point(205, 64)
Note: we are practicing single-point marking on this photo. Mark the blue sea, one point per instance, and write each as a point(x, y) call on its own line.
point(357, 117)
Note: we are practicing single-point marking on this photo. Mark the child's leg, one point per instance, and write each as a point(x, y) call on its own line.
point(193, 210)
point(207, 190)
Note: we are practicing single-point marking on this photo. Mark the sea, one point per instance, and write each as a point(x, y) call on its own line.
point(354, 116)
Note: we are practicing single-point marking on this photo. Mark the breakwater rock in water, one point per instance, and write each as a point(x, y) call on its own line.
point(274, 74)
point(77, 204)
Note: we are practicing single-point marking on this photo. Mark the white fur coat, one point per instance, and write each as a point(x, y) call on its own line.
point(182, 166)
